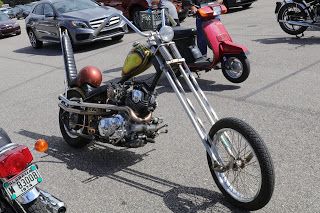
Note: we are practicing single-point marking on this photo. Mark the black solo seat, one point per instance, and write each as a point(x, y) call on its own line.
point(181, 32)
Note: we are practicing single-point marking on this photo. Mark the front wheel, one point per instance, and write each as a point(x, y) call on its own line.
point(236, 68)
point(35, 206)
point(248, 179)
point(35, 43)
point(292, 12)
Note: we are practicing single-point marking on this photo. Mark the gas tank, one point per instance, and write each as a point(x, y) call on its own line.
point(138, 60)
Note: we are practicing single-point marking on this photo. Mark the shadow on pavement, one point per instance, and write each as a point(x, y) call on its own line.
point(54, 49)
point(290, 40)
point(165, 87)
point(100, 160)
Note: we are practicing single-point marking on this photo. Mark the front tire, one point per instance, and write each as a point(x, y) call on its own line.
point(292, 12)
point(35, 43)
point(235, 68)
point(225, 133)
point(35, 206)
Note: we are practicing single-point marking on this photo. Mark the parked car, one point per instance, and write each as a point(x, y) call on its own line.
point(238, 3)
point(17, 11)
point(79, 17)
point(131, 8)
point(8, 26)
point(6, 10)
point(27, 9)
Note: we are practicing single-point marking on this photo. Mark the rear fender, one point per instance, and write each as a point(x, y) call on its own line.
point(228, 47)
point(302, 4)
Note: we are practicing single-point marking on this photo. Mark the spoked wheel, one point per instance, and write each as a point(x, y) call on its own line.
point(72, 125)
point(247, 180)
point(35, 43)
point(236, 68)
point(292, 12)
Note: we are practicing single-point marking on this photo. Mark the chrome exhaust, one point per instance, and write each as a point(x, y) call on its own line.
point(53, 204)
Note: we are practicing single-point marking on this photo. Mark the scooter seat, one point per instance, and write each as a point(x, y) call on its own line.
point(180, 32)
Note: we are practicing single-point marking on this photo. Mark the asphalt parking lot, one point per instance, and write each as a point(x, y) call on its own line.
point(280, 100)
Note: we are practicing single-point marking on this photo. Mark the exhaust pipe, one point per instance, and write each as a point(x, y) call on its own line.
point(53, 204)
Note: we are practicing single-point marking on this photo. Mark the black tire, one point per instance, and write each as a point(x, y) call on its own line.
point(35, 206)
point(246, 6)
point(72, 140)
point(18, 33)
point(35, 43)
point(117, 38)
point(232, 76)
point(282, 12)
point(261, 152)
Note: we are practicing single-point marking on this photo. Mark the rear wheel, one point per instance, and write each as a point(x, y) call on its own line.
point(72, 125)
point(292, 12)
point(236, 68)
point(248, 179)
point(35, 43)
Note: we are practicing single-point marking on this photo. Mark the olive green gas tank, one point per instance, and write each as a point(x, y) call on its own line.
point(138, 60)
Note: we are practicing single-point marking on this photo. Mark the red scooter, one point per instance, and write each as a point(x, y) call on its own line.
point(234, 62)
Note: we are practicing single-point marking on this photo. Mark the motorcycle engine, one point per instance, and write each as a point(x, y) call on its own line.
point(140, 102)
point(112, 127)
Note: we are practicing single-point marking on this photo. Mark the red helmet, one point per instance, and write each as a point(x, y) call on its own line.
point(89, 75)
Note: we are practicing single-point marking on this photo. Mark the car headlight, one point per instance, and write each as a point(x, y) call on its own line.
point(166, 33)
point(79, 24)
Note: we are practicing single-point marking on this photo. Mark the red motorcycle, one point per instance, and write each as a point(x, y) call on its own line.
point(19, 178)
point(234, 62)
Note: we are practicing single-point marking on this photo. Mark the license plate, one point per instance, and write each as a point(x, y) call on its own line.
point(23, 182)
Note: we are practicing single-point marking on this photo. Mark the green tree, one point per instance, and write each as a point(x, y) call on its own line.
point(1, 3)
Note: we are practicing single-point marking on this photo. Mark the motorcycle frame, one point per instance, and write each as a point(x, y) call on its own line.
point(167, 55)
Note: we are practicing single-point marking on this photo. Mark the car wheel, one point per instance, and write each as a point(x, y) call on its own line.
point(35, 43)
point(117, 38)
point(18, 33)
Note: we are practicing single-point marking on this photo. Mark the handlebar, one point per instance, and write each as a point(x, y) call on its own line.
point(107, 20)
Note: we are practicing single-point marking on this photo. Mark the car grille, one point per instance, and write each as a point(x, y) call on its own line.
point(96, 23)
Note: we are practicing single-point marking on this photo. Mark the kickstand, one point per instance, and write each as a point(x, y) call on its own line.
point(300, 36)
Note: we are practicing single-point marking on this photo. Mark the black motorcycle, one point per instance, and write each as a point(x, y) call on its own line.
point(296, 16)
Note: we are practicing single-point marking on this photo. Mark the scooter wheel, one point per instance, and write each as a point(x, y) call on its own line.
point(236, 68)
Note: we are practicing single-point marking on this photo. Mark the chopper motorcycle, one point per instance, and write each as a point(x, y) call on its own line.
point(19, 178)
point(296, 16)
point(233, 57)
point(120, 113)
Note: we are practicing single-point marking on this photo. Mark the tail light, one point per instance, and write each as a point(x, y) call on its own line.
point(211, 11)
point(14, 161)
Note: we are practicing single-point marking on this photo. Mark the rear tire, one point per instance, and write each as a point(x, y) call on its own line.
point(294, 29)
point(258, 152)
point(35, 206)
point(35, 43)
point(73, 140)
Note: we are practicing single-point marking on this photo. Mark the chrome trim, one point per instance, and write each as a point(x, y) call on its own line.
point(53, 204)
point(107, 20)
point(8, 147)
point(96, 22)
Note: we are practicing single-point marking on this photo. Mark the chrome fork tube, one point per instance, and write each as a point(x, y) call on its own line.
point(195, 88)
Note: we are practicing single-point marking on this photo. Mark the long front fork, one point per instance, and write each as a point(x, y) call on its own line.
point(176, 59)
